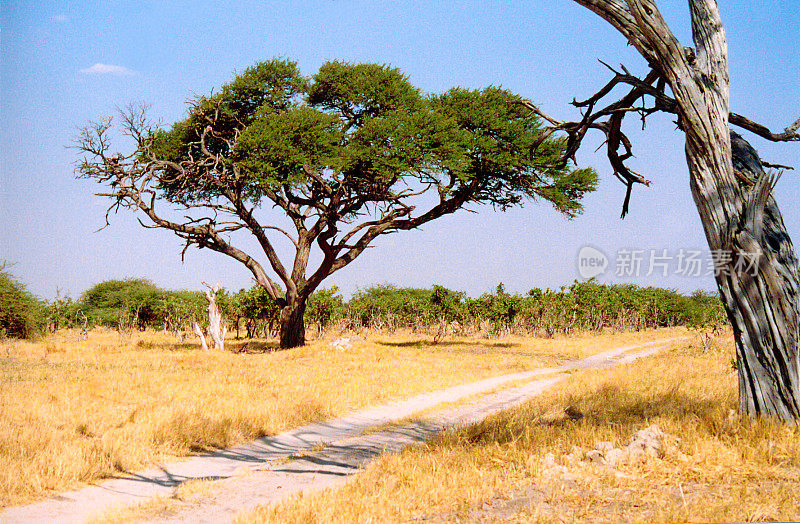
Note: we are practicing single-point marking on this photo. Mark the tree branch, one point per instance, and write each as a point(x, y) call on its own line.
point(235, 198)
point(609, 120)
point(789, 134)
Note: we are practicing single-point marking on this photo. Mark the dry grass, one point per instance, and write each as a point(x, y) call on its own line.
point(127, 515)
point(75, 411)
point(723, 468)
point(156, 507)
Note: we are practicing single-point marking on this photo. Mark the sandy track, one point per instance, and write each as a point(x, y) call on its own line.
point(269, 469)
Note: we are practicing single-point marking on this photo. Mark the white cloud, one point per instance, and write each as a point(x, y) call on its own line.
point(107, 69)
point(60, 18)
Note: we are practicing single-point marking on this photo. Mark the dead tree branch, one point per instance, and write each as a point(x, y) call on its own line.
point(609, 120)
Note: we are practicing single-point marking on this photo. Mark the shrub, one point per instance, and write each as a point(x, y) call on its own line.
point(179, 309)
point(124, 303)
point(256, 307)
point(61, 313)
point(448, 304)
point(21, 314)
point(324, 306)
point(389, 304)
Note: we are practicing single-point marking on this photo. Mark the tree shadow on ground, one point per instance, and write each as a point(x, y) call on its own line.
point(244, 346)
point(185, 346)
point(252, 347)
point(163, 477)
point(608, 407)
point(446, 343)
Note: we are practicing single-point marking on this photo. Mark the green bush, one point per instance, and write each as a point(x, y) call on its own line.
point(124, 303)
point(61, 313)
point(256, 307)
point(179, 309)
point(392, 305)
point(324, 306)
point(581, 306)
point(21, 314)
point(447, 304)
point(500, 307)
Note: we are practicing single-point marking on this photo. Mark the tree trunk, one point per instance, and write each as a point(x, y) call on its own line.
point(742, 223)
point(763, 305)
point(215, 329)
point(293, 328)
point(739, 216)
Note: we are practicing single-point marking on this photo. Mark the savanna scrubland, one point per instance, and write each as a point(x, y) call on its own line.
point(120, 388)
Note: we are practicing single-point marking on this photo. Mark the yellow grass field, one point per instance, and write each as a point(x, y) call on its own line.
point(74, 411)
point(530, 464)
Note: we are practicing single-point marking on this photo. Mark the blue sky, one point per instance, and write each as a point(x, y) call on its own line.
point(67, 63)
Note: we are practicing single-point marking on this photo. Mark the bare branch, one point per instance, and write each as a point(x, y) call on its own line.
point(788, 135)
point(386, 218)
point(285, 233)
point(614, 115)
point(609, 121)
point(394, 221)
point(257, 229)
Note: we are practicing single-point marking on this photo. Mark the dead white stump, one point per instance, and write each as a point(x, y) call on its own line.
point(215, 328)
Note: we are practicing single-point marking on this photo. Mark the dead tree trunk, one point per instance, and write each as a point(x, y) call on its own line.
point(199, 333)
point(762, 305)
point(733, 194)
point(215, 329)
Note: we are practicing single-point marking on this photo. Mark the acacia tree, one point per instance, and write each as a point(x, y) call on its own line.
point(732, 192)
point(352, 153)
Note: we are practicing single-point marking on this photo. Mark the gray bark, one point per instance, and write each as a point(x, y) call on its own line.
point(763, 308)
